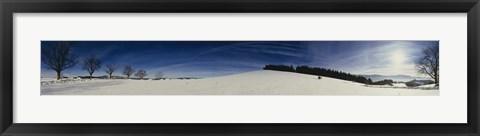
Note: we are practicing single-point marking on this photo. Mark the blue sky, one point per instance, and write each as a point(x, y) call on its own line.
point(217, 58)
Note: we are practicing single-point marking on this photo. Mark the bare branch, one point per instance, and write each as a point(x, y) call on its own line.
point(141, 73)
point(128, 70)
point(110, 68)
point(428, 64)
point(58, 57)
point(91, 64)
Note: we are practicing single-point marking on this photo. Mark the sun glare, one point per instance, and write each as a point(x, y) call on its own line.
point(398, 57)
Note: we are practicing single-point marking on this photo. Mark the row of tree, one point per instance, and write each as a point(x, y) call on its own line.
point(60, 56)
point(280, 68)
point(320, 72)
point(384, 82)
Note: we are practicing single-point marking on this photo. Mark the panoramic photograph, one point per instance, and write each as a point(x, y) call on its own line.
point(349, 68)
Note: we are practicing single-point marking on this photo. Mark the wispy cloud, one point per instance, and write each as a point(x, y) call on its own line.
point(217, 58)
point(364, 57)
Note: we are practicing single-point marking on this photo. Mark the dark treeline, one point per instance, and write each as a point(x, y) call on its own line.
point(320, 72)
point(384, 82)
point(279, 68)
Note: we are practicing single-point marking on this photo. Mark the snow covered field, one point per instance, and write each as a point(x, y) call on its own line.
point(262, 82)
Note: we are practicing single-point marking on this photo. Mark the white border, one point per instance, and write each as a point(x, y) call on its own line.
point(449, 28)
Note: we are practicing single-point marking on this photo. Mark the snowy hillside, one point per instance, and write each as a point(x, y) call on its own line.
point(402, 78)
point(263, 82)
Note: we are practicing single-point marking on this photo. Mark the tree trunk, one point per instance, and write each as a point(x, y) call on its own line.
point(58, 75)
point(91, 75)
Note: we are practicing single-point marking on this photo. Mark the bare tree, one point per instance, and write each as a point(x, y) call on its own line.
point(159, 75)
point(58, 57)
point(141, 73)
point(428, 64)
point(128, 71)
point(91, 64)
point(110, 68)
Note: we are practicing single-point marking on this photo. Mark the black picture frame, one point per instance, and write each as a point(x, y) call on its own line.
point(9, 7)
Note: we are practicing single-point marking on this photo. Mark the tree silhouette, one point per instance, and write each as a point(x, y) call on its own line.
point(58, 57)
point(279, 68)
point(91, 64)
point(428, 64)
point(320, 72)
point(384, 82)
point(159, 75)
point(110, 68)
point(128, 70)
point(141, 73)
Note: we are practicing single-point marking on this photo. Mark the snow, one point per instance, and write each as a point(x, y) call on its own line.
point(54, 81)
point(262, 82)
point(399, 85)
point(429, 86)
point(404, 86)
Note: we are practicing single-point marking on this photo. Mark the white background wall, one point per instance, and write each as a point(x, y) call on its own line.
point(449, 107)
